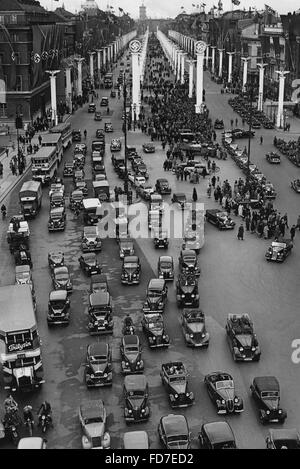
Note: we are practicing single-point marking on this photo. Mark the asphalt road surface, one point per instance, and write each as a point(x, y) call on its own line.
point(235, 278)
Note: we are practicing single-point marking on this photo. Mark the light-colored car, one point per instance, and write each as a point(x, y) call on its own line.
point(32, 442)
point(92, 417)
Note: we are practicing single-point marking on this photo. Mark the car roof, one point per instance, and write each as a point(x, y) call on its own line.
point(98, 348)
point(218, 432)
point(31, 442)
point(166, 259)
point(58, 295)
point(131, 259)
point(92, 409)
point(22, 268)
point(99, 298)
point(284, 434)
point(98, 278)
point(56, 210)
point(90, 229)
point(179, 194)
point(266, 383)
point(132, 382)
point(162, 180)
point(175, 424)
point(139, 440)
point(131, 339)
point(61, 269)
point(156, 283)
point(125, 240)
point(188, 253)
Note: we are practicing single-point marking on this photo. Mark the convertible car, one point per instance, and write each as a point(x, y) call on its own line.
point(279, 250)
point(220, 387)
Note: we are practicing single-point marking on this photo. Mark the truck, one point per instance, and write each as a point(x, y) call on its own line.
point(102, 190)
point(30, 197)
point(20, 351)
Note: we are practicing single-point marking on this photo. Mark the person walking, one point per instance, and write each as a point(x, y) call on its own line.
point(261, 140)
point(240, 235)
point(195, 196)
point(298, 223)
point(6, 152)
point(40, 138)
point(213, 183)
point(1, 170)
point(293, 232)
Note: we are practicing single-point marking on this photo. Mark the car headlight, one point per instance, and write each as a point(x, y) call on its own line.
point(126, 364)
point(105, 323)
point(236, 400)
point(241, 349)
point(176, 396)
point(160, 304)
point(163, 336)
point(191, 336)
point(223, 402)
point(268, 412)
point(105, 375)
point(166, 337)
point(129, 411)
point(143, 411)
point(187, 394)
point(182, 295)
point(193, 296)
point(253, 349)
point(92, 376)
point(280, 411)
point(203, 335)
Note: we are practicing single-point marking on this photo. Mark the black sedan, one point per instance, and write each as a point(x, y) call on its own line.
point(193, 328)
point(131, 355)
point(266, 392)
point(148, 148)
point(98, 368)
point(220, 219)
point(162, 186)
point(273, 158)
point(173, 431)
point(220, 387)
point(89, 263)
point(154, 329)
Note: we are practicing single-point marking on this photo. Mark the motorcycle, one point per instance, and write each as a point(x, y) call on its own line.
point(29, 424)
point(128, 327)
point(12, 433)
point(44, 422)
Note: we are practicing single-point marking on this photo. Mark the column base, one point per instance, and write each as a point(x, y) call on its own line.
point(198, 109)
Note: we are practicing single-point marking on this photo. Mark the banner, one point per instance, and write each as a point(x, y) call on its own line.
point(11, 85)
point(276, 46)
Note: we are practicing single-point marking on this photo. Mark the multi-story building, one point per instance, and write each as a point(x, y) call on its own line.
point(143, 12)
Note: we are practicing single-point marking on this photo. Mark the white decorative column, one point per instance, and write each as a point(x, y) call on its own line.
point(69, 88)
point(104, 57)
point(178, 65)
point(99, 64)
point(213, 59)
point(191, 77)
point(91, 54)
point(279, 122)
point(260, 101)
point(52, 74)
point(220, 62)
point(79, 76)
point(207, 56)
point(200, 47)
point(135, 47)
point(182, 67)
point(245, 72)
point(230, 55)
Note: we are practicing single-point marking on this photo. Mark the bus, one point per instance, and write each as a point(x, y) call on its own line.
point(44, 165)
point(20, 350)
point(54, 140)
point(66, 133)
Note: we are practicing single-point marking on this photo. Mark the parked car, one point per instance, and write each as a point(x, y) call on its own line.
point(165, 268)
point(188, 263)
point(148, 148)
point(89, 263)
point(279, 250)
point(57, 219)
point(91, 241)
point(242, 339)
point(136, 440)
point(68, 169)
point(266, 392)
point(56, 259)
point(193, 328)
point(131, 355)
point(115, 145)
point(100, 313)
point(76, 136)
point(187, 293)
point(61, 278)
point(136, 396)
point(174, 378)
point(92, 418)
point(220, 219)
point(154, 330)
point(81, 185)
point(162, 186)
point(58, 308)
point(219, 124)
point(173, 431)
point(126, 247)
point(99, 283)
point(131, 270)
point(92, 108)
point(98, 368)
point(217, 435)
point(284, 438)
point(221, 390)
point(157, 292)
point(191, 241)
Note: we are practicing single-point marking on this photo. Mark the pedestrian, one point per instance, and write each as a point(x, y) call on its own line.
point(261, 139)
point(204, 173)
point(298, 223)
point(247, 221)
point(213, 182)
point(6, 152)
point(240, 235)
point(293, 232)
point(243, 122)
point(285, 220)
point(236, 122)
point(231, 122)
point(282, 228)
point(40, 138)
point(266, 231)
point(195, 196)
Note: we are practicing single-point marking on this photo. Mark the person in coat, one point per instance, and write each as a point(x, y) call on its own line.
point(195, 196)
point(240, 235)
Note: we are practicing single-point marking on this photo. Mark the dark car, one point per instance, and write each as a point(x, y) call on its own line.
point(131, 152)
point(165, 268)
point(131, 270)
point(174, 378)
point(296, 185)
point(100, 135)
point(273, 158)
point(89, 263)
point(154, 329)
point(99, 283)
point(269, 191)
point(100, 313)
point(131, 355)
point(113, 94)
point(108, 127)
point(81, 185)
point(58, 308)
point(283, 439)
point(242, 339)
point(220, 218)
point(92, 107)
point(76, 199)
point(104, 101)
point(76, 136)
point(162, 186)
point(56, 259)
point(78, 175)
point(220, 388)
point(98, 368)
point(91, 241)
point(61, 279)
point(80, 148)
point(192, 241)
point(279, 250)
point(193, 328)
point(68, 169)
point(126, 247)
point(266, 392)
point(242, 133)
point(136, 396)
point(187, 293)
point(115, 145)
point(156, 298)
point(216, 435)
point(57, 199)
point(160, 238)
point(57, 219)
point(174, 432)
point(219, 124)
point(179, 198)
point(79, 160)
point(148, 148)
point(188, 263)
point(97, 116)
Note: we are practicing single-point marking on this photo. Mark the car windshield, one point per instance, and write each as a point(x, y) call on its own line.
point(155, 324)
point(132, 348)
point(58, 303)
point(55, 216)
point(98, 359)
point(166, 265)
point(62, 276)
point(154, 293)
point(193, 319)
point(175, 438)
point(227, 384)
point(270, 394)
point(136, 393)
point(189, 259)
point(90, 420)
point(177, 379)
point(23, 276)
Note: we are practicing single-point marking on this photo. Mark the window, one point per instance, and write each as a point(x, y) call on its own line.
point(14, 19)
point(17, 58)
point(3, 110)
point(1, 59)
point(15, 37)
point(19, 83)
point(2, 19)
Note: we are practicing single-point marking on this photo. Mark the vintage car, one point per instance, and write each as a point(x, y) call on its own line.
point(79, 161)
point(100, 313)
point(142, 170)
point(58, 308)
point(162, 186)
point(136, 397)
point(266, 392)
point(32, 442)
point(157, 292)
point(80, 148)
point(220, 388)
point(78, 175)
point(219, 124)
point(23, 275)
point(97, 116)
point(57, 219)
point(160, 238)
point(154, 330)
point(56, 187)
point(216, 435)
point(115, 145)
point(99, 283)
point(174, 433)
point(98, 367)
point(145, 191)
point(179, 198)
point(61, 279)
point(22, 256)
point(81, 186)
point(56, 259)
point(220, 218)
point(91, 241)
point(269, 191)
point(113, 94)
point(193, 328)
point(18, 232)
point(148, 148)
point(89, 263)
point(131, 152)
point(187, 292)
point(136, 440)
point(279, 250)
point(104, 101)
point(242, 133)
point(165, 268)
point(126, 247)
point(92, 108)
point(131, 355)
point(174, 378)
point(76, 199)
point(68, 169)
point(191, 241)
point(283, 439)
point(57, 200)
point(76, 136)
point(92, 418)
point(108, 127)
point(136, 160)
point(242, 339)
point(100, 134)
point(131, 270)
point(296, 185)
point(188, 262)
point(136, 181)
point(273, 157)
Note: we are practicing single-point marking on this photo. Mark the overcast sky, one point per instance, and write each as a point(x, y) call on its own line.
point(170, 8)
